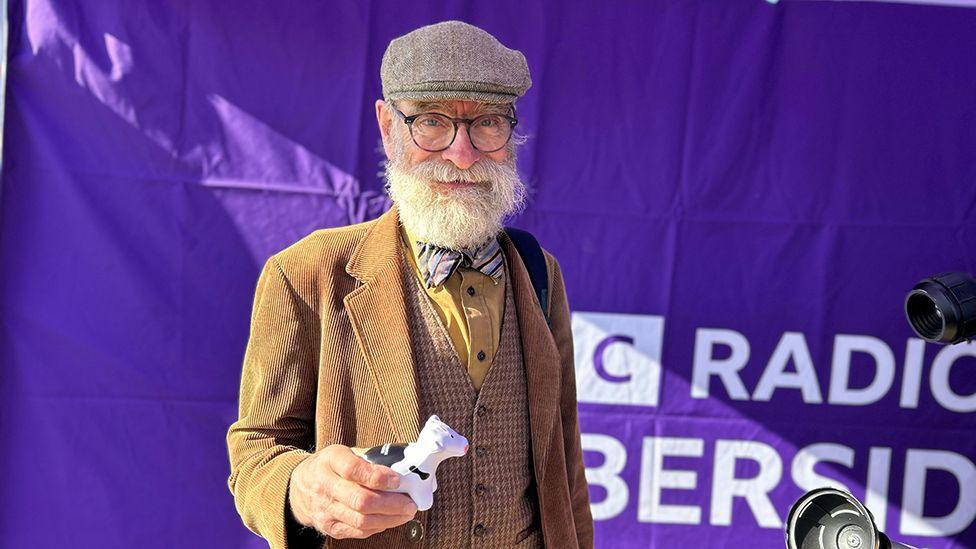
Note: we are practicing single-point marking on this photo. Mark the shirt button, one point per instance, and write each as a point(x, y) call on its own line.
point(479, 529)
point(481, 451)
point(482, 410)
point(480, 489)
point(415, 530)
point(481, 355)
point(470, 290)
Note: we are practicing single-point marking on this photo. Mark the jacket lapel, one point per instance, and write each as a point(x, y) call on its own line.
point(542, 363)
point(377, 311)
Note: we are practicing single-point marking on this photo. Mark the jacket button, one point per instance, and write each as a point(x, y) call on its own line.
point(482, 410)
point(480, 489)
point(481, 451)
point(479, 529)
point(415, 530)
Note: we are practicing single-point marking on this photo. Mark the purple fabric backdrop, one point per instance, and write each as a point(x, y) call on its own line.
point(766, 181)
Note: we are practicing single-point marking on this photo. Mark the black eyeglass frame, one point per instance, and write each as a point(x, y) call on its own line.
point(408, 120)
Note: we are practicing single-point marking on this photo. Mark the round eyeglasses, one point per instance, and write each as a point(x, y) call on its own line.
point(435, 132)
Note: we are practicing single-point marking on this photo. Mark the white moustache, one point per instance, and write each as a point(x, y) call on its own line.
point(465, 217)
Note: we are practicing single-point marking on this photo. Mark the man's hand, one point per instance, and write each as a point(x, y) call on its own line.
point(339, 494)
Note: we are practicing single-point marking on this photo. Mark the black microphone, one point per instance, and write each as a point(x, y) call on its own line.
point(942, 309)
point(828, 518)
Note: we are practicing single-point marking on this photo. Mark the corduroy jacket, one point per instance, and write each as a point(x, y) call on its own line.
point(328, 361)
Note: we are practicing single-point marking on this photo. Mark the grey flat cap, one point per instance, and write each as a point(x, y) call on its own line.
point(453, 60)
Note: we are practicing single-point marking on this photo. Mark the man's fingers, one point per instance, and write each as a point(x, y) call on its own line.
point(343, 495)
point(372, 502)
point(356, 469)
point(363, 521)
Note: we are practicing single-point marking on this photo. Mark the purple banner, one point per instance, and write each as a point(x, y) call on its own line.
point(740, 195)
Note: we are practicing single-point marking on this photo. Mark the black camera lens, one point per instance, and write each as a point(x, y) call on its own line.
point(942, 309)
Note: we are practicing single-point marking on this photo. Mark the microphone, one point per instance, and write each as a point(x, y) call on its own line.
point(942, 309)
point(828, 518)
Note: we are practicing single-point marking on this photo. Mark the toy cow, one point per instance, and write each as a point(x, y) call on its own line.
point(417, 462)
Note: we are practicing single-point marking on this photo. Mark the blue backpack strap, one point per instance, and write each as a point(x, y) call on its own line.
point(535, 262)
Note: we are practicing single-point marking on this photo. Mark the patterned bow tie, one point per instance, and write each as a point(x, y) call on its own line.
point(437, 263)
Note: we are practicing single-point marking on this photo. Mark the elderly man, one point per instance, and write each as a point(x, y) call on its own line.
point(360, 333)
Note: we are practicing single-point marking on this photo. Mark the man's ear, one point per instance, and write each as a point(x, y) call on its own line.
point(384, 118)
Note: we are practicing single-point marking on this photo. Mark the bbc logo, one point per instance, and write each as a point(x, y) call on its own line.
point(618, 358)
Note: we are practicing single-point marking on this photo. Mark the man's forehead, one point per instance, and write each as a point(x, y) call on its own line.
point(454, 106)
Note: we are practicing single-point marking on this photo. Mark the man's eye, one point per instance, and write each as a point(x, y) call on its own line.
point(430, 122)
point(489, 122)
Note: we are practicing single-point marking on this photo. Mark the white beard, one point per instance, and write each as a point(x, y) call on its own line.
point(459, 219)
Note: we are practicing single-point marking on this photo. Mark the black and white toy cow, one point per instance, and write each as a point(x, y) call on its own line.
point(417, 462)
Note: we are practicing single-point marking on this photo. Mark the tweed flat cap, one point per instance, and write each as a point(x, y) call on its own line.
point(453, 60)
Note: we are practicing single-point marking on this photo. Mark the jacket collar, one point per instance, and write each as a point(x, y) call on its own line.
point(379, 250)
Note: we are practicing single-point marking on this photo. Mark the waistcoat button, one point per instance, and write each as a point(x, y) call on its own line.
point(415, 530)
point(470, 290)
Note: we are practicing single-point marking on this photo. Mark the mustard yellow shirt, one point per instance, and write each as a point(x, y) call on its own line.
point(470, 305)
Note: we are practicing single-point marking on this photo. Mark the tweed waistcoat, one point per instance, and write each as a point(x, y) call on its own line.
point(486, 498)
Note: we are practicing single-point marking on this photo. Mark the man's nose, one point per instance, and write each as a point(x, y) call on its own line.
point(461, 152)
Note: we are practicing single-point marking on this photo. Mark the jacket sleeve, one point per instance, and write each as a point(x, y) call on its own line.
point(576, 473)
point(274, 429)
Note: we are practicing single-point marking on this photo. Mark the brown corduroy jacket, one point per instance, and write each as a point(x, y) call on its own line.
point(328, 361)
